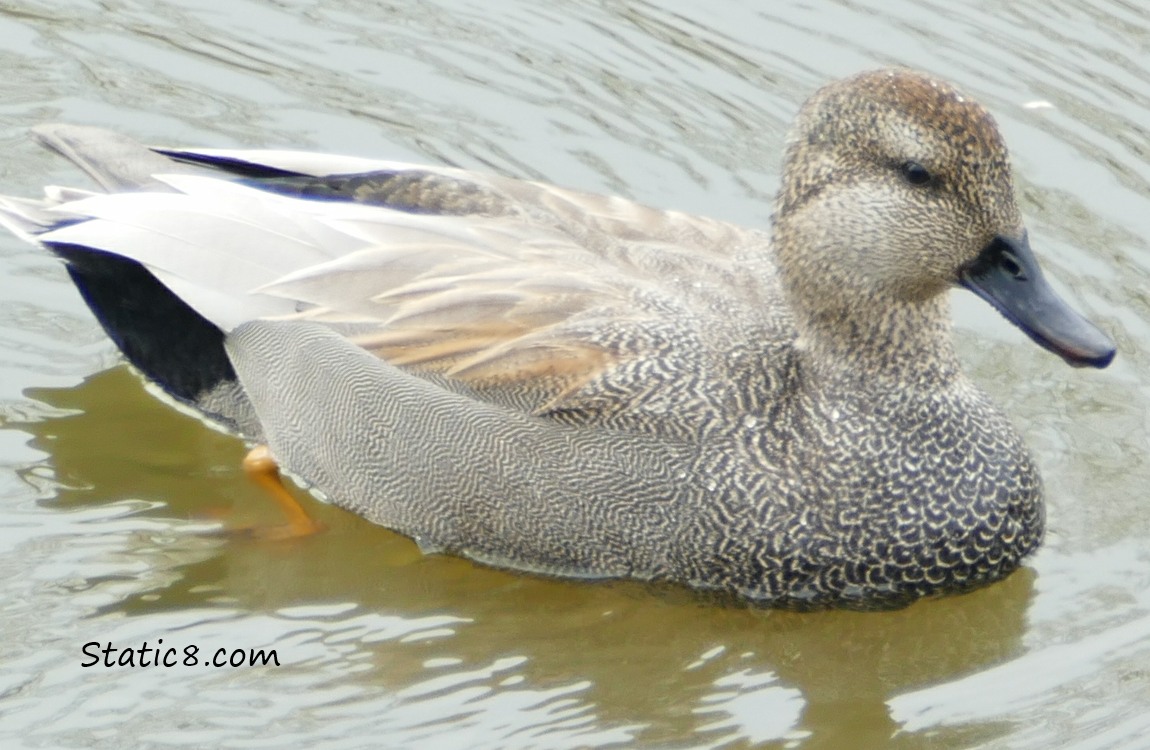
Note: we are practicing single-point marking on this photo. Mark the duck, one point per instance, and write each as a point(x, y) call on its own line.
point(578, 385)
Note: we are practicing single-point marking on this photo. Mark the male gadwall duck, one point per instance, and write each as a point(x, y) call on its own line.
point(578, 385)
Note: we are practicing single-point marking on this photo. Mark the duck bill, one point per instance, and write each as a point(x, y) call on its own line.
point(1007, 275)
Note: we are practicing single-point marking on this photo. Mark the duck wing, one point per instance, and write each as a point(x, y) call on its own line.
point(516, 290)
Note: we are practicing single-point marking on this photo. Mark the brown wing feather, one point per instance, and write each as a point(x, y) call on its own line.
point(511, 302)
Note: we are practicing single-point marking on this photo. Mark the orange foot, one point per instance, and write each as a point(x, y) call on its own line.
point(264, 471)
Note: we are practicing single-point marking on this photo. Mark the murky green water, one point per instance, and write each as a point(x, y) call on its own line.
point(108, 498)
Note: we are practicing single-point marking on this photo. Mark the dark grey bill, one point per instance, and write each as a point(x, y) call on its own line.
point(1007, 275)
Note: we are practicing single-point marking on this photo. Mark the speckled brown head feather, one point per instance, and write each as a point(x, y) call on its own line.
point(893, 183)
point(889, 117)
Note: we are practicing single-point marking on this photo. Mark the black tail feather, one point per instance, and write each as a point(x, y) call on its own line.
point(168, 341)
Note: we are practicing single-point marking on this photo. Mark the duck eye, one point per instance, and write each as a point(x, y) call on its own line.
point(915, 173)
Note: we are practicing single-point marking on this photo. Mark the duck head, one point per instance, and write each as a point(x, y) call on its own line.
point(897, 187)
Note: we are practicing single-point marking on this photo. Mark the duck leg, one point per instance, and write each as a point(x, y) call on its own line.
point(263, 470)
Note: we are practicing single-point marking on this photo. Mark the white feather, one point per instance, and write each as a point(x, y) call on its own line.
point(213, 247)
point(182, 236)
point(224, 307)
point(307, 163)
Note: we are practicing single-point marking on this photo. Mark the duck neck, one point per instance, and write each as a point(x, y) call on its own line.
point(878, 344)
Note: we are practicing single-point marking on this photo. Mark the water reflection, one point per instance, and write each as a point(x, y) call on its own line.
point(442, 629)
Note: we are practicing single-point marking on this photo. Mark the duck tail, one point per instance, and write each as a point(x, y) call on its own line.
point(161, 335)
point(116, 162)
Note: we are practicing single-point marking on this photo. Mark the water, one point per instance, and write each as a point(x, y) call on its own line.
point(109, 498)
